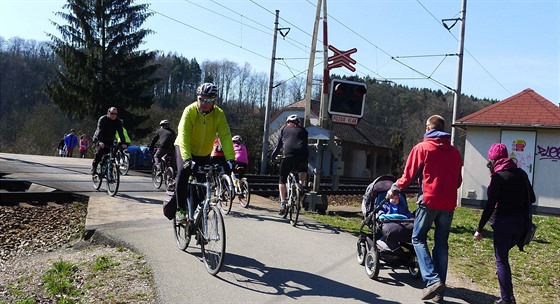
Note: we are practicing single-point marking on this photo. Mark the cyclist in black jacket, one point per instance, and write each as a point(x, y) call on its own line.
point(293, 140)
point(163, 143)
point(104, 135)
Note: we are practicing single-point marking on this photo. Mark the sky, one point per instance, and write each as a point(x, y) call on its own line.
point(509, 46)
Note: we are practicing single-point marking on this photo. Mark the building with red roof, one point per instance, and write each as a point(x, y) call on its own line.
point(529, 125)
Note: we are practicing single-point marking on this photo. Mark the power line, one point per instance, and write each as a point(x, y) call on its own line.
point(214, 36)
point(471, 55)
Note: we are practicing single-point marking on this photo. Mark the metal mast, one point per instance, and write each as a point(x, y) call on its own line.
point(269, 99)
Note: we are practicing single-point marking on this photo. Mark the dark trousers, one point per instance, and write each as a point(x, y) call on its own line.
point(507, 231)
point(158, 155)
point(182, 181)
point(99, 154)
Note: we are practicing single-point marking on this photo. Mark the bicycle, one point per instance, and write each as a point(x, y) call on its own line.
point(108, 170)
point(294, 194)
point(123, 160)
point(167, 174)
point(242, 190)
point(208, 226)
point(223, 189)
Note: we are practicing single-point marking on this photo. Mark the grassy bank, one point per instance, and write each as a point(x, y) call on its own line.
point(536, 276)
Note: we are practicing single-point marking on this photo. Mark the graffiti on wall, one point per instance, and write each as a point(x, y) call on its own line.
point(548, 153)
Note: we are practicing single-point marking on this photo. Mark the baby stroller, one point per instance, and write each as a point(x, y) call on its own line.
point(372, 253)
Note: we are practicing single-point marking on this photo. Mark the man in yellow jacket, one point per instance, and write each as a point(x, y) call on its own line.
point(197, 129)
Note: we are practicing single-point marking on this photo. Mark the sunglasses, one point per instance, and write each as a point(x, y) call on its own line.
point(207, 100)
point(112, 113)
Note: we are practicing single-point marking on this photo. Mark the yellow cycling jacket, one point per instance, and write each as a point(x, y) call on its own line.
point(196, 132)
point(126, 137)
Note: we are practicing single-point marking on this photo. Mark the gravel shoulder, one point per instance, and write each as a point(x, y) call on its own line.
point(34, 238)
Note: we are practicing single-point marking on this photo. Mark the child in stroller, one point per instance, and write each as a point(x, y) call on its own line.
point(390, 223)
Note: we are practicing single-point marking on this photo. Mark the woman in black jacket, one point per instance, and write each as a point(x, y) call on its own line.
point(510, 196)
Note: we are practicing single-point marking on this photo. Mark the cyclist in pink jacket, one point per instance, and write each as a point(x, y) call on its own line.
point(241, 157)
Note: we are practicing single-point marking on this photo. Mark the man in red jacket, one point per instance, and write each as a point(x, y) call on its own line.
point(436, 164)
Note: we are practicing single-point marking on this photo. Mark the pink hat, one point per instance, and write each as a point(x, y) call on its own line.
point(497, 151)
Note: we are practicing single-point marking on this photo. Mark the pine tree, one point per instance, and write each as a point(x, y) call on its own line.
point(100, 64)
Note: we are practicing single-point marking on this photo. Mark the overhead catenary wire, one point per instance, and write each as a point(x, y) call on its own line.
point(295, 72)
point(466, 49)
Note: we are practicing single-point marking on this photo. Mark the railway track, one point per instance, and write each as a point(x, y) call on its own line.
point(267, 185)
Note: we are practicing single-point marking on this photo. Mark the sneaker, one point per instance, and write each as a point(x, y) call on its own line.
point(432, 290)
point(182, 216)
point(282, 210)
point(93, 170)
point(438, 299)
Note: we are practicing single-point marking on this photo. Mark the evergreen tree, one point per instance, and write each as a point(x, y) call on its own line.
point(101, 65)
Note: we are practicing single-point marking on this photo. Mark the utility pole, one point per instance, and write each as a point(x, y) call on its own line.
point(323, 104)
point(269, 99)
point(309, 83)
point(457, 99)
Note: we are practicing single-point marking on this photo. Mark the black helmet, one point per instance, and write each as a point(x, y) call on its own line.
point(236, 138)
point(207, 89)
point(164, 122)
point(292, 118)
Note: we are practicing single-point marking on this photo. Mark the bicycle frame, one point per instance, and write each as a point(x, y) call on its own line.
point(207, 184)
point(293, 199)
point(108, 162)
point(208, 225)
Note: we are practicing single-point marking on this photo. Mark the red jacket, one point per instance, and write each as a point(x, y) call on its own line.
point(437, 166)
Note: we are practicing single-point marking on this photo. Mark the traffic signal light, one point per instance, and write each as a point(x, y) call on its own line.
point(347, 98)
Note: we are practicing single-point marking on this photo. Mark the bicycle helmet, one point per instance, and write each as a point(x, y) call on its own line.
point(164, 122)
point(236, 138)
point(207, 89)
point(292, 118)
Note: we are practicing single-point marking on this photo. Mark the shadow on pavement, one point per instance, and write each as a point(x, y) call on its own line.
point(253, 275)
point(303, 223)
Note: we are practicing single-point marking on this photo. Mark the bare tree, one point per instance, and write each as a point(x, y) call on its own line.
point(244, 74)
point(229, 71)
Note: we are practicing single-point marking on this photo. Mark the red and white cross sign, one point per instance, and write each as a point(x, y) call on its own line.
point(341, 58)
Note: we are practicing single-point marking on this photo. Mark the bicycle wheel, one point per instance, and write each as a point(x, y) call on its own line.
point(182, 236)
point(156, 179)
point(97, 178)
point(113, 179)
point(225, 197)
point(245, 195)
point(124, 163)
point(169, 176)
point(293, 210)
point(213, 243)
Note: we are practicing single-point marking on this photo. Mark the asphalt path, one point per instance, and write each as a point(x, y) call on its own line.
point(267, 260)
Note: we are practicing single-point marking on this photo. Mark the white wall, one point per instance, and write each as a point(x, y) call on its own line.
point(546, 179)
point(476, 175)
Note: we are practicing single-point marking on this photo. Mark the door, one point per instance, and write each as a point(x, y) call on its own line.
point(521, 146)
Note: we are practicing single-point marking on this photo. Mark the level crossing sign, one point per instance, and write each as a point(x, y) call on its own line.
point(341, 58)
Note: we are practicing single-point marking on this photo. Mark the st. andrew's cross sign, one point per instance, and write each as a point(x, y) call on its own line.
point(341, 58)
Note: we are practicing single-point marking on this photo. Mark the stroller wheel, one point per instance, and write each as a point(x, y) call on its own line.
point(371, 264)
point(414, 269)
point(361, 251)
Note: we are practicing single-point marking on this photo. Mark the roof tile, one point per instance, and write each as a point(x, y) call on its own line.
point(526, 108)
